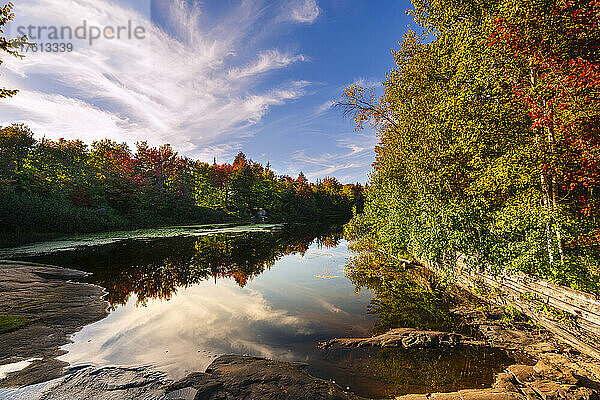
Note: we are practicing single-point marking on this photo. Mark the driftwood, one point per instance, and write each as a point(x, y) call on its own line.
point(405, 338)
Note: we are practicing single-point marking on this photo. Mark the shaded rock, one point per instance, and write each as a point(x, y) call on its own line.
point(505, 382)
point(228, 377)
point(555, 373)
point(240, 377)
point(55, 307)
point(516, 335)
point(38, 371)
point(523, 373)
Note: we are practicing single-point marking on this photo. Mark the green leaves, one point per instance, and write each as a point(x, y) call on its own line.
point(460, 170)
point(9, 46)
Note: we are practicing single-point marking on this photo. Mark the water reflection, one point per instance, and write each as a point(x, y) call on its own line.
point(405, 297)
point(180, 300)
point(177, 302)
point(155, 268)
point(389, 372)
point(410, 297)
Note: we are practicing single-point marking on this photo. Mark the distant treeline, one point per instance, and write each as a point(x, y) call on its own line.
point(489, 146)
point(66, 186)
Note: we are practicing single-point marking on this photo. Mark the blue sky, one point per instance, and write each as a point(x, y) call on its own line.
point(211, 77)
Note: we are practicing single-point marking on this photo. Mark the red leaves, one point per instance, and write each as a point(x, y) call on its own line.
point(220, 175)
point(557, 78)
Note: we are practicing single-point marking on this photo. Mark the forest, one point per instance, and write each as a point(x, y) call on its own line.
point(66, 186)
point(52, 187)
point(489, 140)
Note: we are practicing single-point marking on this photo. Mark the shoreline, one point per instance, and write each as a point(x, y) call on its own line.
point(52, 307)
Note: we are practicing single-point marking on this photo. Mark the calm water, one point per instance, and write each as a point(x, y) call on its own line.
point(182, 296)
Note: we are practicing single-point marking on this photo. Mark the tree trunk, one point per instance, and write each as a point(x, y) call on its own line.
point(548, 181)
point(546, 206)
point(556, 222)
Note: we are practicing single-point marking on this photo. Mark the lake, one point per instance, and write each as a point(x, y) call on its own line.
point(180, 297)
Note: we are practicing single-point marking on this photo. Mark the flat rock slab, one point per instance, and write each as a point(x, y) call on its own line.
point(56, 308)
point(227, 378)
point(406, 338)
point(110, 383)
point(239, 377)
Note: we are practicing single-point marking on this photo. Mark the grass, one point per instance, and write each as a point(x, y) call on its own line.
point(10, 323)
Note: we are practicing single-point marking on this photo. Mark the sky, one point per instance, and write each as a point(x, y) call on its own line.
point(211, 78)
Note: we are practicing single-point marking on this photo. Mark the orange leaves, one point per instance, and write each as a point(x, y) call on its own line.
point(362, 105)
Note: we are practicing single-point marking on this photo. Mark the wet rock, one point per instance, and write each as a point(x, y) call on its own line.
point(520, 336)
point(56, 308)
point(241, 377)
point(38, 371)
point(547, 390)
point(505, 382)
point(406, 338)
point(109, 383)
point(555, 372)
point(488, 394)
point(413, 397)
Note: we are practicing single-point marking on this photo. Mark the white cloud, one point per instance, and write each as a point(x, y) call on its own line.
point(210, 320)
point(179, 85)
point(357, 155)
point(325, 107)
point(304, 11)
point(267, 61)
point(367, 82)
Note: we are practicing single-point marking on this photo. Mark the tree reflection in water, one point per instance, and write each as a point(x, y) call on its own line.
point(156, 268)
point(407, 297)
point(412, 297)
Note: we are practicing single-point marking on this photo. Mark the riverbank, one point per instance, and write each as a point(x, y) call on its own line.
point(45, 307)
point(548, 369)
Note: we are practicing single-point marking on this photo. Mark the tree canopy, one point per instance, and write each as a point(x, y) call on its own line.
point(68, 186)
point(489, 141)
point(8, 46)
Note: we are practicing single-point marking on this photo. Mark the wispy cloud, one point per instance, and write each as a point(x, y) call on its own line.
point(367, 82)
point(267, 61)
point(355, 157)
point(182, 84)
point(304, 11)
point(324, 107)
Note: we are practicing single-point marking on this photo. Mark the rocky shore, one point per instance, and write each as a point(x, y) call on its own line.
point(50, 308)
point(555, 370)
point(551, 369)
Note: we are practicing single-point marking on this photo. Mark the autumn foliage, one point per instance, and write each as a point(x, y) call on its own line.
point(489, 146)
point(67, 186)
